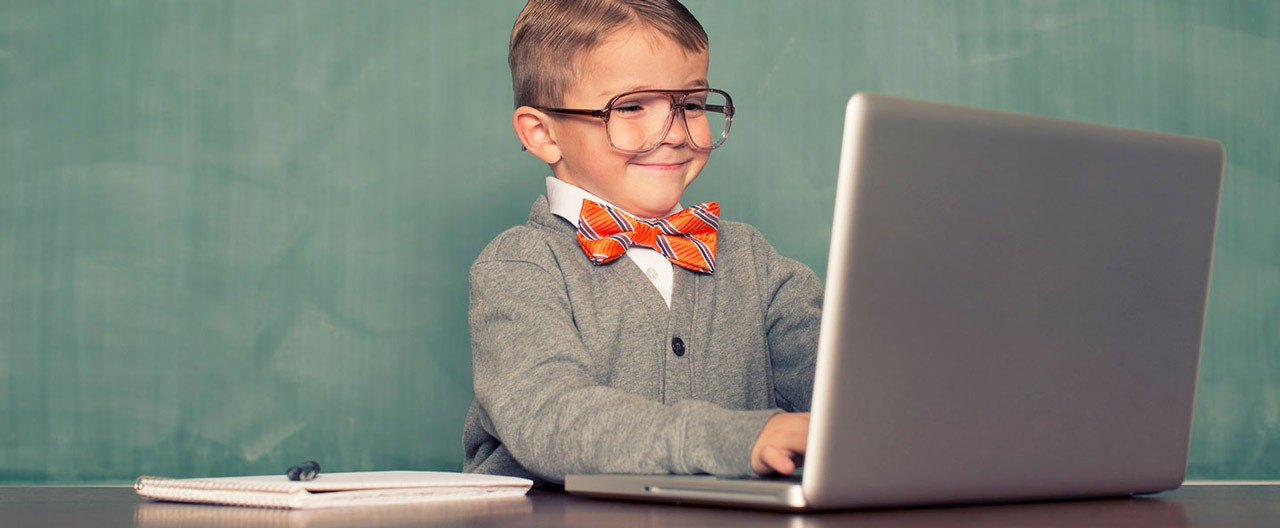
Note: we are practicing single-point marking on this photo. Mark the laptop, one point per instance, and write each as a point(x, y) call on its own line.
point(1014, 308)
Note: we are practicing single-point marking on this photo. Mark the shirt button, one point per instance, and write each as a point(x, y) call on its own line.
point(652, 273)
point(677, 346)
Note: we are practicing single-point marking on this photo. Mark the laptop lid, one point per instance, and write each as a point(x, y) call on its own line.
point(1014, 307)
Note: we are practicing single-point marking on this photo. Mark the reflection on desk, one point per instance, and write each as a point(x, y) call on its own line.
point(173, 515)
point(1145, 512)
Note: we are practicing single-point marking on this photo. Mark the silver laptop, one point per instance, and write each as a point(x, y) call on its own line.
point(1014, 308)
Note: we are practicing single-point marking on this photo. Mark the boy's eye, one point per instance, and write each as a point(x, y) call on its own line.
point(628, 108)
point(695, 106)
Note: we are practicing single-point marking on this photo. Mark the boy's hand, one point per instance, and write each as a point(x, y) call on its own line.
point(780, 444)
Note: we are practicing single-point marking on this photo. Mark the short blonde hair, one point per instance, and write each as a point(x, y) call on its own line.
point(551, 36)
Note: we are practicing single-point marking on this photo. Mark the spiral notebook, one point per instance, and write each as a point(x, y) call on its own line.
point(332, 490)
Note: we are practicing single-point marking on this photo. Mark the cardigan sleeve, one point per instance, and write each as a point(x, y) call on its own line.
point(793, 317)
point(532, 377)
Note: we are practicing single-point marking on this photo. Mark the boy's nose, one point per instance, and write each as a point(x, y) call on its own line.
point(678, 132)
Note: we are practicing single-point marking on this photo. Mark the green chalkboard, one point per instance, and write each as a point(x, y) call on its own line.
point(235, 235)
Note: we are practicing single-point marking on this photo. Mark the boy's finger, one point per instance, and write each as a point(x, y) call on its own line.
point(777, 460)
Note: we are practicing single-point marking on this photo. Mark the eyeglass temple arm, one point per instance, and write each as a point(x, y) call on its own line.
point(572, 111)
point(723, 109)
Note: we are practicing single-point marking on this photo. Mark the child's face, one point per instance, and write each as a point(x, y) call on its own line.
point(650, 184)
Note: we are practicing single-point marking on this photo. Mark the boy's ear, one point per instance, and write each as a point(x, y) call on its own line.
point(533, 127)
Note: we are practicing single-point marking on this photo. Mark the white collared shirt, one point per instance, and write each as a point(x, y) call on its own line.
point(565, 200)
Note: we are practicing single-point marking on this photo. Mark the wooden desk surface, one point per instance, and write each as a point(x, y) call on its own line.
point(1195, 506)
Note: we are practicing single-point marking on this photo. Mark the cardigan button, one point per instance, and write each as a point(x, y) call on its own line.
point(677, 346)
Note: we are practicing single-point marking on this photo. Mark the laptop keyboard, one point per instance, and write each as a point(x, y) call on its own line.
point(795, 477)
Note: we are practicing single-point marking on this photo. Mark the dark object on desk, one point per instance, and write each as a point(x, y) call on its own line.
point(1013, 311)
point(306, 471)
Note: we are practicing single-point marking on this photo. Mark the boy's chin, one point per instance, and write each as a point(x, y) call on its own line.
point(654, 210)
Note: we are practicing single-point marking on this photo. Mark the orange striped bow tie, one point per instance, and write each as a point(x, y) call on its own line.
point(687, 238)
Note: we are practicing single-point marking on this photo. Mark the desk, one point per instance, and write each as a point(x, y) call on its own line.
point(1194, 506)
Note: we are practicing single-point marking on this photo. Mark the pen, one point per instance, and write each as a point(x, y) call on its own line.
point(305, 471)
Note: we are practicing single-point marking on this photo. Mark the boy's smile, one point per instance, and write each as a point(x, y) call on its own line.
point(647, 185)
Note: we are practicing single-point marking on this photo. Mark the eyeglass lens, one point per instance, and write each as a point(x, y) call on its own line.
point(639, 121)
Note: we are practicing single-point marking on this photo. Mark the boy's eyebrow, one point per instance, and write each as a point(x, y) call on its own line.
point(697, 83)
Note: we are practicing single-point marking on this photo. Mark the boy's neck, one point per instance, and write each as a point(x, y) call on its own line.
point(566, 198)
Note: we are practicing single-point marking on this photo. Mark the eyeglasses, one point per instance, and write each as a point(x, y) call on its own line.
point(637, 122)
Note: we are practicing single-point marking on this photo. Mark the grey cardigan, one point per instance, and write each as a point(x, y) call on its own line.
point(583, 369)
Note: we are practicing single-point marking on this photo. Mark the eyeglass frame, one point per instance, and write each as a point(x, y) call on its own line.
point(676, 107)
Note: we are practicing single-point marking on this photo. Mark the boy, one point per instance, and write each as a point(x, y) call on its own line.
point(616, 333)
